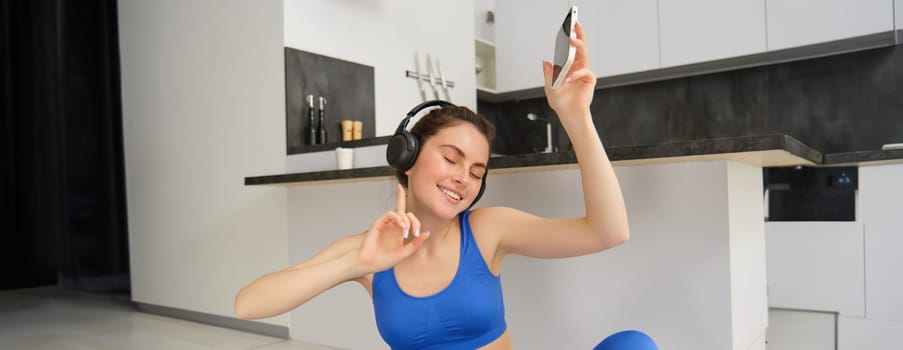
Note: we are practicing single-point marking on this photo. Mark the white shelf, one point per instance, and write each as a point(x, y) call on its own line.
point(484, 48)
point(485, 64)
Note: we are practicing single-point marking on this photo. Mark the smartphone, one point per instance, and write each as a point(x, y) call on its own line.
point(564, 51)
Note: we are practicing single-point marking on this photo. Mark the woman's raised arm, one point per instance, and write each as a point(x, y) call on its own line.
point(605, 224)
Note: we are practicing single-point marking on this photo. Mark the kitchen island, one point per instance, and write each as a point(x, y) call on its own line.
point(693, 274)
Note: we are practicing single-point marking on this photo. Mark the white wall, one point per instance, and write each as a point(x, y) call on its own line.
point(481, 29)
point(363, 157)
point(673, 279)
point(816, 266)
point(385, 34)
point(343, 316)
point(203, 107)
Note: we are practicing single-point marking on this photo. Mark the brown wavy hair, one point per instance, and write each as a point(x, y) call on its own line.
point(440, 118)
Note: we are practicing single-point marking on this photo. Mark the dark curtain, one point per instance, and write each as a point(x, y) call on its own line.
point(62, 183)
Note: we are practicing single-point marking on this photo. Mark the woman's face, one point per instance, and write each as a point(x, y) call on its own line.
point(449, 170)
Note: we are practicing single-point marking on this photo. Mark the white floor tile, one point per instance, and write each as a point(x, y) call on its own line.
point(295, 345)
point(53, 318)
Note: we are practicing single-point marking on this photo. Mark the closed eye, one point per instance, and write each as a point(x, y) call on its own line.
point(478, 174)
point(449, 160)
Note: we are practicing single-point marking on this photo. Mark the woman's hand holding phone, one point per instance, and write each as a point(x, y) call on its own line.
point(573, 97)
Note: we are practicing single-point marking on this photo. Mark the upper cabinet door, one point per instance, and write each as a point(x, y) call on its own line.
point(694, 31)
point(622, 37)
point(794, 23)
point(524, 37)
point(898, 10)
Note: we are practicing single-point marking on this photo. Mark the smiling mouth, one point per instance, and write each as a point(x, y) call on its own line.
point(449, 193)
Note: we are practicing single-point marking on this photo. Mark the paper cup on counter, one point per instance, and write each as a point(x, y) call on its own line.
point(344, 158)
point(347, 127)
point(357, 129)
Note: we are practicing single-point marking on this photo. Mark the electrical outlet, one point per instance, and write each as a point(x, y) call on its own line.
point(842, 180)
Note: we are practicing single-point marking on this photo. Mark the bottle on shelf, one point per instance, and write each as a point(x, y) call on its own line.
point(323, 136)
point(311, 126)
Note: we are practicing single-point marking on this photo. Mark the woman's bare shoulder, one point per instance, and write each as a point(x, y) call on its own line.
point(491, 220)
point(491, 215)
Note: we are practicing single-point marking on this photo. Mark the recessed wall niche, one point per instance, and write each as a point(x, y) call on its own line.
point(347, 86)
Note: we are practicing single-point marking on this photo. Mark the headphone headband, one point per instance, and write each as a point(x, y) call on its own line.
point(411, 114)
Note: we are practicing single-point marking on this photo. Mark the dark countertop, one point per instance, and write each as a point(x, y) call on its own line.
point(326, 175)
point(864, 157)
point(764, 150)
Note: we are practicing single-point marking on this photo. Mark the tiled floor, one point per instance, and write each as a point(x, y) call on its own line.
point(53, 318)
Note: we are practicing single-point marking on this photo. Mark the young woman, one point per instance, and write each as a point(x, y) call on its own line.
point(432, 265)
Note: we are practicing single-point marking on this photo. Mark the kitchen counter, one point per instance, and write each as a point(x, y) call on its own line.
point(764, 151)
point(865, 157)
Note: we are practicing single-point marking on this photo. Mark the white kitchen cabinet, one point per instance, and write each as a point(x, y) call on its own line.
point(695, 31)
point(793, 23)
point(879, 207)
point(801, 330)
point(622, 37)
point(816, 266)
point(485, 64)
point(854, 333)
point(524, 32)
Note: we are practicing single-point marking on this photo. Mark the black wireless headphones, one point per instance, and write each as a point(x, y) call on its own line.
point(404, 147)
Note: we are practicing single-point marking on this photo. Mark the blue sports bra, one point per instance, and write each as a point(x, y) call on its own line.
point(469, 313)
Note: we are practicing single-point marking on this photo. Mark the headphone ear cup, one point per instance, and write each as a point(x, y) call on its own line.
point(403, 147)
point(402, 151)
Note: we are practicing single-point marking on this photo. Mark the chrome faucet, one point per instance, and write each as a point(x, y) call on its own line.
point(534, 117)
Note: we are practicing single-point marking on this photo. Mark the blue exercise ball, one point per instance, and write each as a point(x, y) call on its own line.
point(627, 340)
